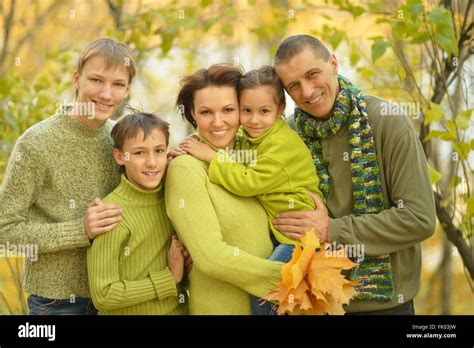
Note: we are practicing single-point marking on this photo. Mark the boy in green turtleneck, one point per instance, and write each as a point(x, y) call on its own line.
point(136, 268)
point(281, 171)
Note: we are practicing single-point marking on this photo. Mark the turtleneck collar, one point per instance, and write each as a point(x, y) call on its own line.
point(131, 193)
point(276, 126)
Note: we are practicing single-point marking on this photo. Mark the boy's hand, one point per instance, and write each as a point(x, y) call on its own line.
point(197, 149)
point(176, 260)
point(100, 218)
point(188, 261)
point(295, 224)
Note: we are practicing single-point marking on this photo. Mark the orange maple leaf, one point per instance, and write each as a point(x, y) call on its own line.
point(312, 282)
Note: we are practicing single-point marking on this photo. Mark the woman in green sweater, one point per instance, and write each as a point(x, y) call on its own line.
point(227, 235)
point(281, 173)
point(136, 268)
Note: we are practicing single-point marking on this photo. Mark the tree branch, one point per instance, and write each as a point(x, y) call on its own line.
point(454, 235)
point(116, 11)
point(6, 34)
point(33, 29)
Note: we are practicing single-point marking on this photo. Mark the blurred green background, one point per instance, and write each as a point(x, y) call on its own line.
point(414, 53)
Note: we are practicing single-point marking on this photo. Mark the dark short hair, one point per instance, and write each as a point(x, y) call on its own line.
point(135, 121)
point(216, 75)
point(293, 45)
point(264, 76)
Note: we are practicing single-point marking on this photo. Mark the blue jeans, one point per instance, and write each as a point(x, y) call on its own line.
point(282, 253)
point(45, 306)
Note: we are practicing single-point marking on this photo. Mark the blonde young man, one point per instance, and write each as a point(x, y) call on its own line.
point(57, 171)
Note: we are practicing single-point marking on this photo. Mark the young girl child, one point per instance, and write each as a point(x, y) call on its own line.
point(136, 268)
point(281, 171)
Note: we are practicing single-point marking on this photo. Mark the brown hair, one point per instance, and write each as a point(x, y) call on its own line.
point(264, 76)
point(130, 125)
point(114, 54)
point(216, 75)
point(293, 45)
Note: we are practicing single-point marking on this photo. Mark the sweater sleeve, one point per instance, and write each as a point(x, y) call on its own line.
point(412, 216)
point(22, 183)
point(193, 215)
point(247, 180)
point(108, 290)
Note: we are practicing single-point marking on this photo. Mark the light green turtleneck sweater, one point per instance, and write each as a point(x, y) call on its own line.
point(56, 169)
point(227, 236)
point(128, 271)
point(280, 176)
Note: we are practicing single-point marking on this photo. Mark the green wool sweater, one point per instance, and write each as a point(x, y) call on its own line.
point(280, 176)
point(56, 169)
point(128, 271)
point(409, 216)
point(227, 236)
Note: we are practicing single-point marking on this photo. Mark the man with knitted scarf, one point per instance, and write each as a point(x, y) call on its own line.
point(373, 175)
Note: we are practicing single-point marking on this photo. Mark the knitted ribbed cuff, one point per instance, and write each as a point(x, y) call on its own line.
point(164, 284)
point(273, 277)
point(72, 235)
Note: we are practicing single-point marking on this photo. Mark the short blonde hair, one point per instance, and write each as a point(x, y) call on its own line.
point(114, 53)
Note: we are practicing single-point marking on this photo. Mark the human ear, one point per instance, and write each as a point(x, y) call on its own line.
point(281, 109)
point(127, 92)
point(194, 117)
point(75, 80)
point(119, 157)
point(334, 64)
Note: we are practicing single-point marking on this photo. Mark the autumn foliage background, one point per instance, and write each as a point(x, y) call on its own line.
point(414, 51)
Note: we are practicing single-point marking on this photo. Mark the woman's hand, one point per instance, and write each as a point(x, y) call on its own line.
point(176, 260)
point(295, 224)
point(197, 149)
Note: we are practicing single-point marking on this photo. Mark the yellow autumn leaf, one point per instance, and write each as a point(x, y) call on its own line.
point(312, 282)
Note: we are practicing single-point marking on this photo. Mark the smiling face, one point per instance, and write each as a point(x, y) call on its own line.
point(258, 110)
point(216, 112)
point(311, 82)
point(144, 159)
point(102, 86)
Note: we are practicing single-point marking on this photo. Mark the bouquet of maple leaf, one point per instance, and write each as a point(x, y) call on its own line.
point(312, 282)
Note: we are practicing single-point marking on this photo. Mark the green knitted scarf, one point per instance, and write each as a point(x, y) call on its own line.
point(374, 273)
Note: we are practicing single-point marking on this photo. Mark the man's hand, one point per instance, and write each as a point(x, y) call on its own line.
point(197, 149)
point(295, 224)
point(101, 218)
